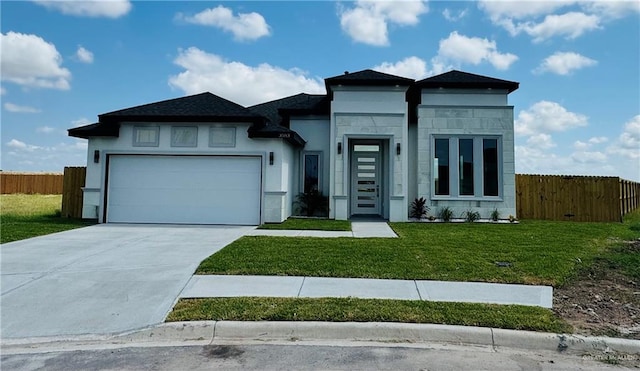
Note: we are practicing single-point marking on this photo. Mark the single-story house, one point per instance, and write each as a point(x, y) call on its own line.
point(372, 144)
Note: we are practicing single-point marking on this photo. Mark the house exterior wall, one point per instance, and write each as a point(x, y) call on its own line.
point(315, 130)
point(466, 119)
point(276, 178)
point(370, 113)
point(464, 97)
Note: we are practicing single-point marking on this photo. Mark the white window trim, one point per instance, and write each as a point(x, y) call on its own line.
point(478, 173)
point(173, 142)
point(302, 169)
point(229, 145)
point(146, 144)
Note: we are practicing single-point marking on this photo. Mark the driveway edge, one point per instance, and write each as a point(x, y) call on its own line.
point(207, 332)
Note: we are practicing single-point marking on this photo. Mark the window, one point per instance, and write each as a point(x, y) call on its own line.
point(490, 166)
point(441, 166)
point(477, 172)
point(311, 172)
point(222, 137)
point(184, 136)
point(145, 136)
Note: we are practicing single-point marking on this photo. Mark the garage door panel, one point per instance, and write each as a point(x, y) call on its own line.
point(184, 189)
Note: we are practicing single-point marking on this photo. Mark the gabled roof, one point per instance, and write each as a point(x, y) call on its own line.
point(199, 107)
point(367, 78)
point(462, 80)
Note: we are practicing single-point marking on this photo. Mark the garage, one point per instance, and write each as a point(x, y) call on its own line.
point(184, 189)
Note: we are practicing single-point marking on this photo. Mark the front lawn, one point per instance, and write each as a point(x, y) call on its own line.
point(26, 216)
point(310, 224)
point(368, 310)
point(537, 252)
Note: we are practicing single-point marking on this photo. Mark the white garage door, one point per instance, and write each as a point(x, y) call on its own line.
point(184, 189)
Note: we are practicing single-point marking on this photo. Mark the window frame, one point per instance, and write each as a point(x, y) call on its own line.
point(303, 170)
point(177, 127)
point(231, 144)
point(478, 167)
point(155, 128)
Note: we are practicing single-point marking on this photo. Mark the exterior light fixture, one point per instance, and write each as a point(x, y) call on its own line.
point(270, 158)
point(96, 156)
point(339, 148)
point(398, 149)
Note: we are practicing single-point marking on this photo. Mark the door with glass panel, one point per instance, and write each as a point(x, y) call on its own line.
point(365, 179)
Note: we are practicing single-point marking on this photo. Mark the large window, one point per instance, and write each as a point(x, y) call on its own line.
point(477, 171)
point(311, 172)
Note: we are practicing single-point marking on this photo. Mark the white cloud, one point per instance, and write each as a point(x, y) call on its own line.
point(545, 116)
point(564, 63)
point(45, 129)
point(18, 155)
point(19, 109)
point(541, 141)
point(30, 61)
point(3, 91)
point(246, 85)
point(498, 10)
point(89, 8)
point(612, 9)
point(546, 19)
point(80, 122)
point(84, 55)
point(454, 17)
point(473, 50)
point(368, 22)
point(628, 143)
point(589, 157)
point(244, 26)
point(570, 25)
point(598, 140)
point(411, 67)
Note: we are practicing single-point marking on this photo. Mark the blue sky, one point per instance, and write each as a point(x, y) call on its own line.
point(577, 110)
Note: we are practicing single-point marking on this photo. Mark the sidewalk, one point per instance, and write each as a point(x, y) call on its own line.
point(358, 230)
point(207, 286)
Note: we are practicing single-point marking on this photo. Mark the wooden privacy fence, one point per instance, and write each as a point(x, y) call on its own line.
point(577, 198)
point(72, 191)
point(31, 183)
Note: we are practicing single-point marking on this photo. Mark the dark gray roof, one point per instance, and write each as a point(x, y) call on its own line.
point(302, 103)
point(459, 79)
point(368, 78)
point(95, 130)
point(205, 106)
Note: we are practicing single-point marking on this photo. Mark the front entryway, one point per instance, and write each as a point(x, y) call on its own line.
point(366, 175)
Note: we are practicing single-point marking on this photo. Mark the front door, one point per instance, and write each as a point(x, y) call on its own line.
point(365, 178)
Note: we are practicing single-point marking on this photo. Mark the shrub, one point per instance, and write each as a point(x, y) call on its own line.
point(470, 216)
point(419, 208)
point(313, 203)
point(445, 214)
point(495, 215)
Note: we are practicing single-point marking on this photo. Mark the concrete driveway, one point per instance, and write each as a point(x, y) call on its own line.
point(101, 279)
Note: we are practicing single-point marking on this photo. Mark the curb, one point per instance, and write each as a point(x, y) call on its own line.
point(206, 332)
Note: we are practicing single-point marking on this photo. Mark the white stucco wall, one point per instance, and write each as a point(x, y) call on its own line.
point(474, 121)
point(276, 179)
point(370, 113)
point(464, 97)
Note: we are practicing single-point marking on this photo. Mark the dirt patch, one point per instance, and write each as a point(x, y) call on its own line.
point(601, 301)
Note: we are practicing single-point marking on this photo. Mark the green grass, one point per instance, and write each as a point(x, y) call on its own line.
point(26, 216)
point(368, 310)
point(541, 252)
point(310, 224)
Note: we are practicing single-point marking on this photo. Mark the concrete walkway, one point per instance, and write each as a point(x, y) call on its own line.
point(365, 229)
point(204, 286)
